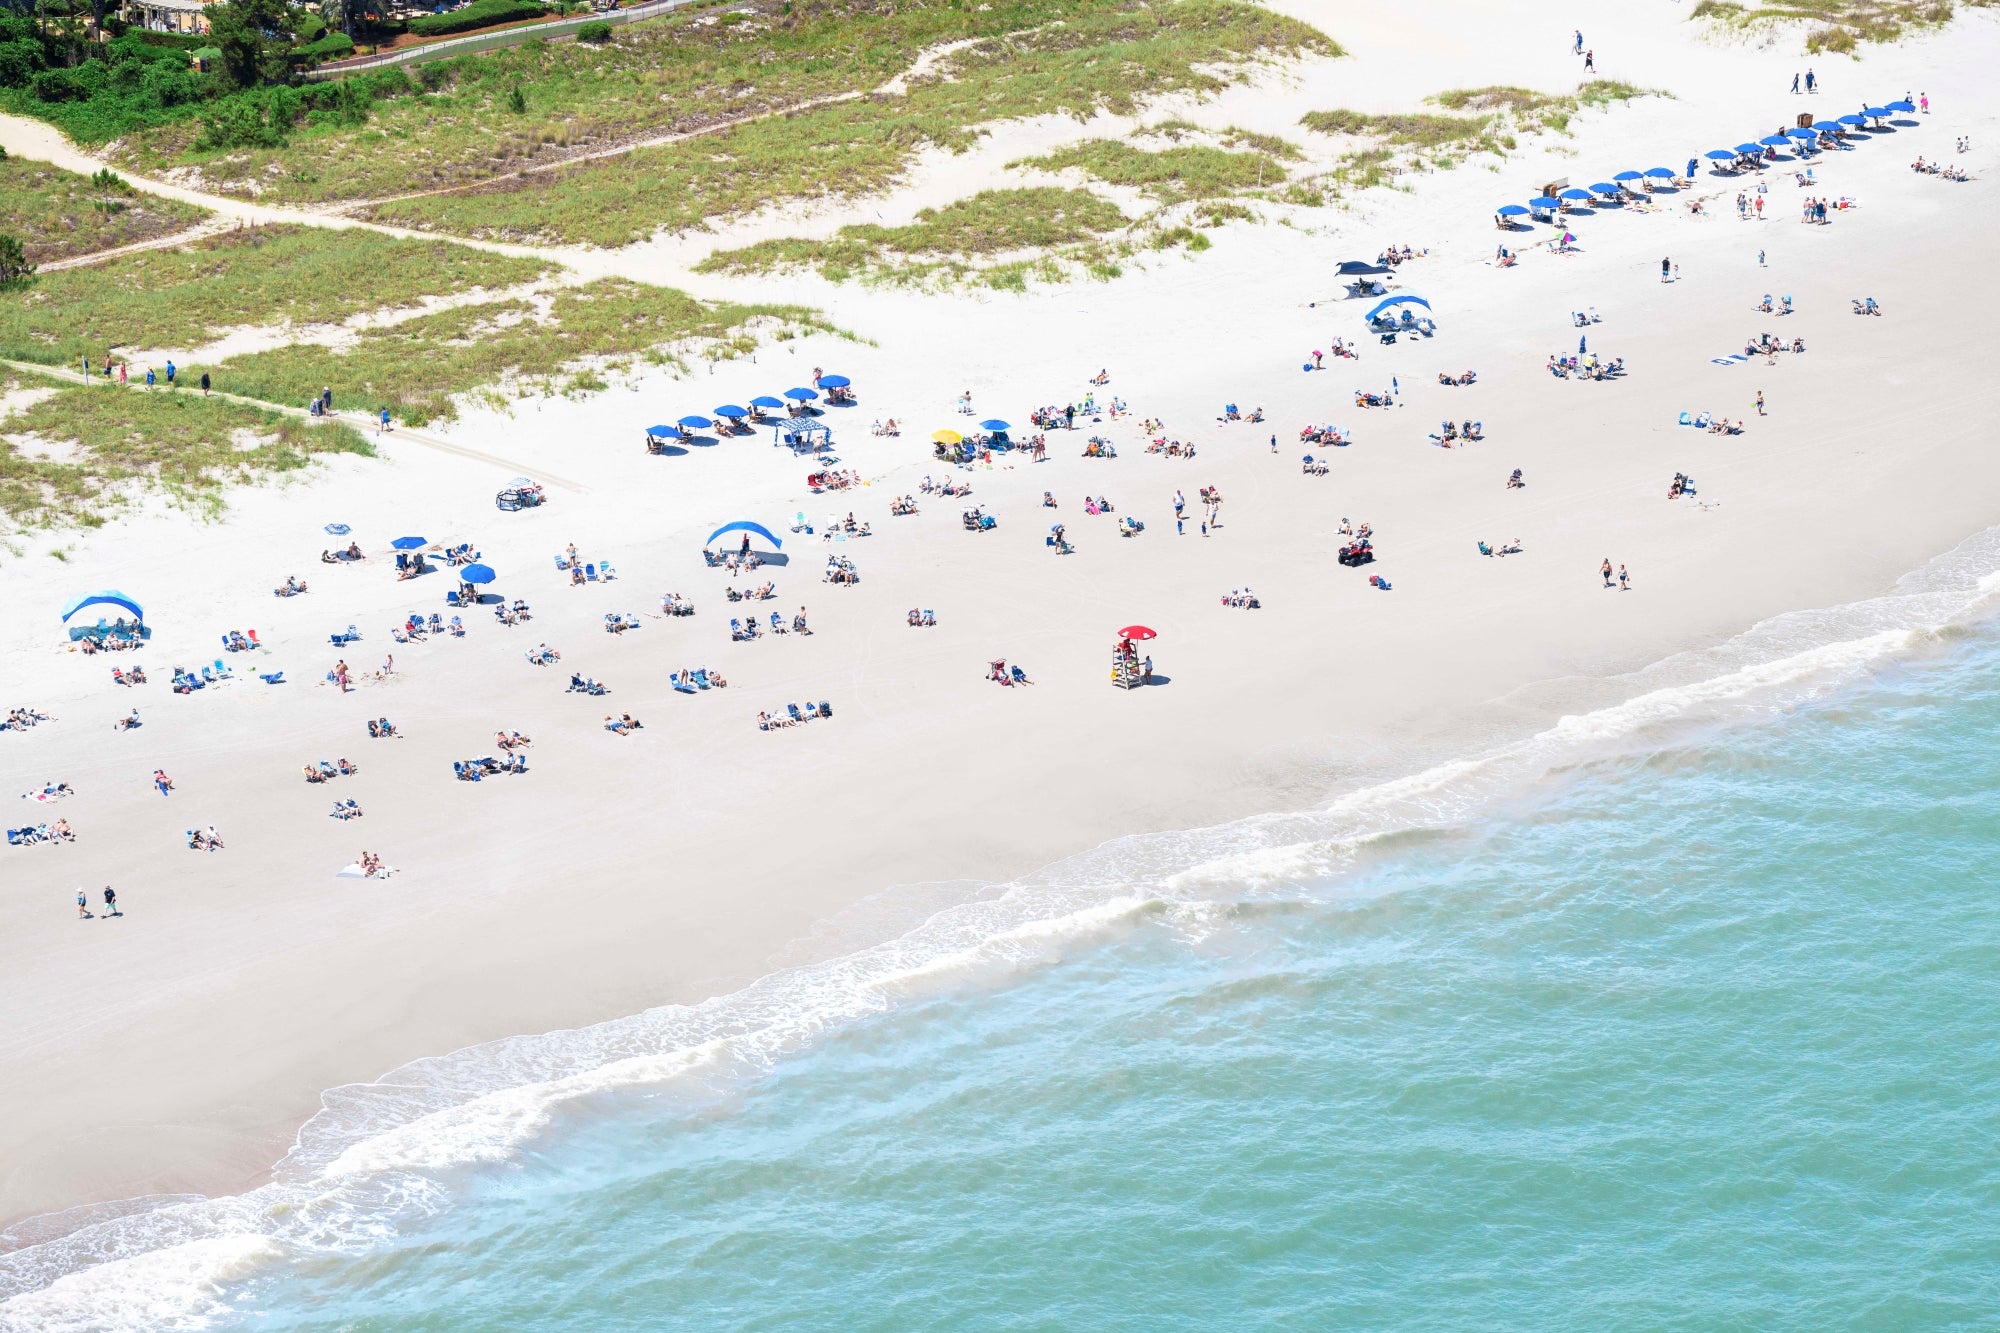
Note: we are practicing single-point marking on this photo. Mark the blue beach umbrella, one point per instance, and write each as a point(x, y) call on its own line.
point(663, 432)
point(834, 381)
point(744, 525)
point(1396, 300)
point(693, 422)
point(766, 400)
point(1545, 201)
point(1851, 119)
point(995, 424)
point(732, 411)
point(1877, 112)
point(103, 597)
point(1721, 155)
point(336, 529)
point(1826, 126)
point(1749, 149)
point(1629, 176)
point(1902, 106)
point(1775, 141)
point(1511, 210)
point(409, 543)
point(477, 574)
point(800, 395)
point(1800, 132)
point(1575, 193)
point(1606, 187)
point(1660, 173)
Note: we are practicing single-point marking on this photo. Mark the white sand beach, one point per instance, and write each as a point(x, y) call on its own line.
point(178, 1048)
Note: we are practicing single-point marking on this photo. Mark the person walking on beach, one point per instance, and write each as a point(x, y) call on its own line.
point(1760, 402)
point(1811, 82)
point(1760, 259)
point(385, 422)
point(1795, 84)
point(1590, 62)
point(1316, 359)
point(1666, 267)
point(1395, 387)
point(111, 902)
point(1069, 417)
point(1579, 40)
point(1924, 103)
point(1605, 569)
point(1180, 502)
point(82, 905)
point(1624, 580)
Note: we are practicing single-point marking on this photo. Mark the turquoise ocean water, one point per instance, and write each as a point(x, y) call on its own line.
point(1684, 1018)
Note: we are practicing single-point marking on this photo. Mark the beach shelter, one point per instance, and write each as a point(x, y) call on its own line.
point(1902, 106)
point(1660, 173)
point(1875, 112)
point(1511, 210)
point(800, 395)
point(1381, 306)
point(1776, 141)
point(336, 529)
point(103, 597)
point(409, 543)
point(1628, 175)
point(1574, 193)
point(994, 424)
point(693, 422)
point(1137, 632)
point(732, 412)
point(946, 436)
point(1851, 119)
point(766, 400)
point(1360, 268)
point(744, 525)
point(1826, 127)
point(1544, 201)
point(1800, 132)
point(1721, 155)
point(833, 381)
point(477, 574)
point(1607, 188)
point(663, 433)
point(1750, 149)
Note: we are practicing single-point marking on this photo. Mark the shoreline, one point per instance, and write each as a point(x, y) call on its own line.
point(680, 864)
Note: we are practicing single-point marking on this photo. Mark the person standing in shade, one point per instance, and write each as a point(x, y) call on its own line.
point(1146, 670)
point(111, 902)
point(82, 905)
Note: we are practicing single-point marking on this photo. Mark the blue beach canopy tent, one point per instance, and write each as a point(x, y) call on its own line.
point(801, 395)
point(103, 597)
point(1379, 320)
point(477, 574)
point(732, 412)
point(743, 525)
point(409, 544)
point(833, 381)
point(802, 434)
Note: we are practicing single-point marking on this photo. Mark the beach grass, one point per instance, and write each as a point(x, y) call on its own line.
point(82, 451)
point(1025, 58)
point(1181, 172)
point(564, 342)
point(1836, 26)
point(57, 214)
point(257, 276)
point(949, 243)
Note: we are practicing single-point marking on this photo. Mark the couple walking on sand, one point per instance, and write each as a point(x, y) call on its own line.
point(1624, 579)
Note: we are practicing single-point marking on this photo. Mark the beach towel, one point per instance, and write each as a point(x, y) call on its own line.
point(1733, 359)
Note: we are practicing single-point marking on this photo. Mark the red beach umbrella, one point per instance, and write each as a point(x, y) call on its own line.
point(1136, 632)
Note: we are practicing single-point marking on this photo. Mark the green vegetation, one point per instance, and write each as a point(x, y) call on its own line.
point(565, 343)
point(259, 276)
point(597, 32)
point(1061, 226)
point(77, 454)
point(1474, 120)
point(57, 214)
point(1030, 57)
point(478, 14)
point(1185, 171)
point(1835, 25)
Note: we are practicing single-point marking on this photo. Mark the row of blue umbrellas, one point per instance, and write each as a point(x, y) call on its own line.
point(694, 421)
point(1799, 133)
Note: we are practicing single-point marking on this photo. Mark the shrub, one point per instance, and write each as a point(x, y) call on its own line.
point(14, 264)
point(18, 62)
point(333, 46)
point(478, 14)
point(597, 32)
point(58, 85)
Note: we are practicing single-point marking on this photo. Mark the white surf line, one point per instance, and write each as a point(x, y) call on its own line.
point(399, 433)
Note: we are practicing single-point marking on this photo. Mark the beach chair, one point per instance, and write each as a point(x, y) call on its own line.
point(1687, 419)
point(793, 709)
point(272, 677)
point(220, 669)
point(777, 625)
point(604, 573)
point(590, 572)
point(451, 598)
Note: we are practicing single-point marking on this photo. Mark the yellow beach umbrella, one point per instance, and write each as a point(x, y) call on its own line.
point(946, 436)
